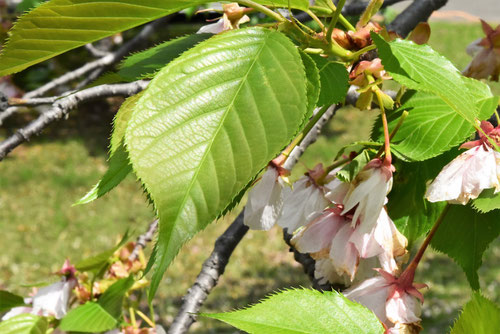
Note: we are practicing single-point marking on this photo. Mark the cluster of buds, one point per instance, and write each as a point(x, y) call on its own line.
point(122, 266)
point(233, 16)
point(369, 76)
point(486, 53)
point(346, 229)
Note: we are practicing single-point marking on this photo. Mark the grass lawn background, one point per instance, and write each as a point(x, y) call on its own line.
point(39, 182)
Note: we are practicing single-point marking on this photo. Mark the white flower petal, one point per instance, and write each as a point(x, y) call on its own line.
point(16, 311)
point(466, 177)
point(300, 203)
point(213, 28)
point(344, 255)
point(265, 201)
point(319, 233)
point(403, 308)
point(371, 293)
point(53, 300)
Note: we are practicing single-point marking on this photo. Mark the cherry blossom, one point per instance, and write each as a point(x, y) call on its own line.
point(470, 173)
point(265, 201)
point(394, 300)
point(486, 63)
point(306, 200)
point(368, 193)
point(234, 15)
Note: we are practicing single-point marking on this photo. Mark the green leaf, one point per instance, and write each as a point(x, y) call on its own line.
point(95, 263)
point(303, 311)
point(28, 4)
point(146, 63)
point(412, 213)
point(208, 123)
point(421, 68)
point(349, 171)
point(9, 300)
point(88, 318)
point(119, 168)
point(112, 299)
point(334, 81)
point(313, 82)
point(431, 128)
point(464, 235)
point(121, 120)
point(58, 26)
point(479, 316)
point(487, 201)
point(24, 324)
point(119, 163)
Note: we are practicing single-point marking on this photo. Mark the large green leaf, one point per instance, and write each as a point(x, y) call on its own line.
point(334, 81)
point(479, 316)
point(112, 299)
point(303, 311)
point(88, 318)
point(208, 123)
point(58, 26)
point(464, 235)
point(9, 300)
point(146, 63)
point(24, 324)
point(431, 128)
point(419, 67)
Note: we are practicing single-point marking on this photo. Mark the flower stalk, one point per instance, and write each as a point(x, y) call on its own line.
point(387, 140)
point(409, 273)
point(262, 9)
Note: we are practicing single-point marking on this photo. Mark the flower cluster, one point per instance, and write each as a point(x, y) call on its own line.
point(486, 53)
point(345, 227)
point(76, 288)
point(233, 16)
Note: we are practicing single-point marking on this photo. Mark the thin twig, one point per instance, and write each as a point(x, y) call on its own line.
point(144, 239)
point(95, 68)
point(63, 106)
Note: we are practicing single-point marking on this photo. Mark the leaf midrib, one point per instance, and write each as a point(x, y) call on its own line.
point(216, 132)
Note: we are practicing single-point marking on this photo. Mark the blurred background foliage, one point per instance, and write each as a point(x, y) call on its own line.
point(41, 180)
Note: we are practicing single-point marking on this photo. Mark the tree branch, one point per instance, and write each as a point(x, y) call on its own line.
point(144, 239)
point(357, 8)
point(63, 106)
point(215, 265)
point(95, 68)
point(418, 11)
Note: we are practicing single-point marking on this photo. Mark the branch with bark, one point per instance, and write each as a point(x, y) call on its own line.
point(418, 11)
point(63, 106)
point(92, 69)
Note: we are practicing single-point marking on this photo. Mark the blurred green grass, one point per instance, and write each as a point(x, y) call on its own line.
point(40, 227)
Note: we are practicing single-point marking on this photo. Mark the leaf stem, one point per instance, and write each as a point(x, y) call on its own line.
point(313, 51)
point(317, 20)
point(333, 21)
point(262, 9)
point(387, 140)
point(409, 272)
point(357, 54)
point(146, 319)
point(497, 117)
